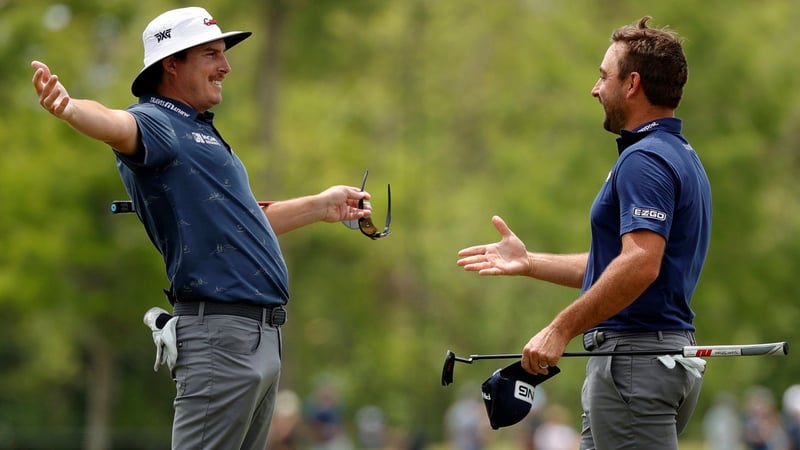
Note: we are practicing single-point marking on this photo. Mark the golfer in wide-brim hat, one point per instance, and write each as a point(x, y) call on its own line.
point(228, 281)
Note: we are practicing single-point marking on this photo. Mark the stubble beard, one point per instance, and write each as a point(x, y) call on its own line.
point(614, 119)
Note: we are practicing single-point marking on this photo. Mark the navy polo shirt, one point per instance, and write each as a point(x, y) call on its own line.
point(658, 183)
point(193, 196)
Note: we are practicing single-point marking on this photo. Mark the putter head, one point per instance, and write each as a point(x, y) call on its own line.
point(449, 368)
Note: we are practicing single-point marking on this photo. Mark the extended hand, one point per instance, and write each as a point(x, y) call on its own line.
point(507, 257)
point(53, 96)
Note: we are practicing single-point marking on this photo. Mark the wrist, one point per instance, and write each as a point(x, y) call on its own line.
point(319, 206)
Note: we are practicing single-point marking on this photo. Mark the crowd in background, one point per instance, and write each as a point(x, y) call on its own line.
point(321, 422)
point(753, 420)
point(759, 422)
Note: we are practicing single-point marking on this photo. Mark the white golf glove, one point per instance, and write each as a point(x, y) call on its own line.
point(165, 338)
point(695, 366)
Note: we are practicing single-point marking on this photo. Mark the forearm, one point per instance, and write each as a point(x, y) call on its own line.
point(623, 281)
point(564, 270)
point(288, 215)
point(117, 128)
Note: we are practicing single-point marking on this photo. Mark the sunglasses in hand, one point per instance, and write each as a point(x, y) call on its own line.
point(365, 224)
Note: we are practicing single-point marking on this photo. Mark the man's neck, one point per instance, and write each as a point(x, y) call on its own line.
point(646, 115)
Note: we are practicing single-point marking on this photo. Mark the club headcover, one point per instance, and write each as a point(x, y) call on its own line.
point(508, 393)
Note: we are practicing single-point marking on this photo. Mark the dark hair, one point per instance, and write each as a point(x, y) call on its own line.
point(151, 77)
point(657, 55)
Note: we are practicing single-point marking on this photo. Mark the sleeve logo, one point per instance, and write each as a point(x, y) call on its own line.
point(649, 213)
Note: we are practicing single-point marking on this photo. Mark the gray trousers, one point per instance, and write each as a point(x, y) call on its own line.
point(635, 402)
point(226, 378)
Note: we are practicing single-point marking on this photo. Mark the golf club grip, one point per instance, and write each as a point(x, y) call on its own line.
point(774, 348)
point(122, 207)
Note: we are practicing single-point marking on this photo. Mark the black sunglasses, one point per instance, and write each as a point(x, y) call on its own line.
point(365, 224)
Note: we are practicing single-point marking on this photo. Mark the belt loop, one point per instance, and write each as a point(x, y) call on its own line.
point(264, 316)
point(660, 335)
point(201, 309)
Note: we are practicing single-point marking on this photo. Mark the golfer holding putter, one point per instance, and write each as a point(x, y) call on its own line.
point(228, 277)
point(650, 226)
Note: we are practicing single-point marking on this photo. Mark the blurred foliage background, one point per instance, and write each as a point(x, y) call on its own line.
point(468, 108)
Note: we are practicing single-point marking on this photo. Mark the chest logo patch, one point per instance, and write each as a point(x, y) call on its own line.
point(204, 138)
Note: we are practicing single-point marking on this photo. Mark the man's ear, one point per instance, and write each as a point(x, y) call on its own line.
point(168, 64)
point(633, 83)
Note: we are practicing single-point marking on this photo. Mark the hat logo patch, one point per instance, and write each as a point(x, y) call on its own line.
point(161, 35)
point(209, 22)
point(524, 392)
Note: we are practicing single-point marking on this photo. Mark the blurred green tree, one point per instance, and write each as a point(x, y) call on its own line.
point(467, 108)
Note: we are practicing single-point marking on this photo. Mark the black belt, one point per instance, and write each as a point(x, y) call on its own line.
point(275, 316)
point(596, 338)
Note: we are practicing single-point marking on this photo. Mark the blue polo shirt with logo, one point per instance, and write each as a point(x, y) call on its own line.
point(193, 196)
point(658, 183)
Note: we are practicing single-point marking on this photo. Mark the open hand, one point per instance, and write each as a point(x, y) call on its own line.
point(53, 96)
point(507, 257)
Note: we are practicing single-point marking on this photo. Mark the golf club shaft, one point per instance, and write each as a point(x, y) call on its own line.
point(774, 348)
point(126, 206)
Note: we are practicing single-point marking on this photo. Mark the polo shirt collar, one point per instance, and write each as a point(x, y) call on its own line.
point(626, 138)
point(178, 108)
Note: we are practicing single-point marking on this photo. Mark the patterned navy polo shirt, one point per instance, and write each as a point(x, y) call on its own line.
point(193, 196)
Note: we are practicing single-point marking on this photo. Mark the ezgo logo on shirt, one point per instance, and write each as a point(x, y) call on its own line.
point(649, 213)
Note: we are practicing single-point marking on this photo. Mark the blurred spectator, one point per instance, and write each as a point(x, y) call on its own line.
point(466, 421)
point(370, 427)
point(721, 426)
point(326, 419)
point(534, 419)
point(554, 432)
point(763, 429)
point(285, 428)
point(791, 415)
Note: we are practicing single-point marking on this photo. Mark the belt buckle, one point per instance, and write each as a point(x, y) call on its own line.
point(593, 340)
point(277, 316)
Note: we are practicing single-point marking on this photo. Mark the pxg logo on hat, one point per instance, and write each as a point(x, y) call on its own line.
point(177, 30)
point(508, 393)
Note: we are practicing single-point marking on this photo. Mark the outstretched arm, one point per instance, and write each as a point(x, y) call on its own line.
point(622, 282)
point(510, 257)
point(115, 127)
point(334, 204)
